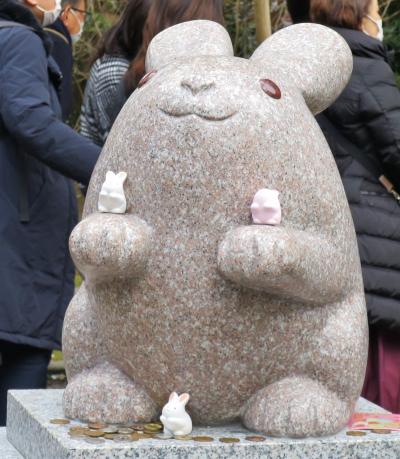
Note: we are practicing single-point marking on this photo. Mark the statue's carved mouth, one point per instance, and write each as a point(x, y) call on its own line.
point(204, 116)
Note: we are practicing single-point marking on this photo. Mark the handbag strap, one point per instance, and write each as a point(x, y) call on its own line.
point(57, 34)
point(4, 24)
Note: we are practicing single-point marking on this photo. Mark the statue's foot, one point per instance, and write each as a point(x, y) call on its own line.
point(296, 407)
point(105, 394)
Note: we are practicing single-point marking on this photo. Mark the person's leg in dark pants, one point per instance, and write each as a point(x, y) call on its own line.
point(21, 367)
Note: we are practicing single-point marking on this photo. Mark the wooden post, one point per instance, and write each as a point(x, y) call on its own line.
point(263, 20)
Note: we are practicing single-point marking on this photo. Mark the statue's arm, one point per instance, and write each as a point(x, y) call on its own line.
point(285, 262)
point(111, 246)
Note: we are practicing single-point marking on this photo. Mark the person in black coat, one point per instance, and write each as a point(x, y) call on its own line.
point(64, 32)
point(367, 115)
point(299, 10)
point(38, 156)
point(61, 52)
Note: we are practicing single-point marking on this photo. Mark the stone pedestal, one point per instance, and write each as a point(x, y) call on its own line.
point(7, 450)
point(30, 432)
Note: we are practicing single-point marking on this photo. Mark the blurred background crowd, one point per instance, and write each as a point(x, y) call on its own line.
point(240, 21)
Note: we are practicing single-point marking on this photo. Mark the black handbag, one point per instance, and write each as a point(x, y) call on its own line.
point(373, 167)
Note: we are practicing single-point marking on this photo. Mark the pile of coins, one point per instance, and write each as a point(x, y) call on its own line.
point(98, 433)
point(362, 433)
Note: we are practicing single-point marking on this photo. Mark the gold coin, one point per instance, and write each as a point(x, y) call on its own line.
point(356, 433)
point(381, 431)
point(125, 430)
point(78, 429)
point(110, 436)
point(152, 430)
point(152, 427)
point(60, 422)
point(76, 434)
point(97, 425)
point(183, 437)
point(123, 426)
point(110, 430)
point(94, 433)
point(141, 436)
point(137, 436)
point(137, 427)
point(203, 438)
point(255, 438)
point(229, 440)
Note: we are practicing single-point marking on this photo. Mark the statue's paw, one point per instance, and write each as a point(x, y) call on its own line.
point(107, 246)
point(105, 394)
point(296, 407)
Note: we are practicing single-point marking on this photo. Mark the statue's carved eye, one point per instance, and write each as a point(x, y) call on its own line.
point(146, 78)
point(270, 88)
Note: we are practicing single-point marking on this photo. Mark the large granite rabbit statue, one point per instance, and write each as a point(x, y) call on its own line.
point(183, 292)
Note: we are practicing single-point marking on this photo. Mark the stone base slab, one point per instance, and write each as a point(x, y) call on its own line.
point(7, 450)
point(29, 430)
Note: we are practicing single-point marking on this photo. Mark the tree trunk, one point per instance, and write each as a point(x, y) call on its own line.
point(263, 19)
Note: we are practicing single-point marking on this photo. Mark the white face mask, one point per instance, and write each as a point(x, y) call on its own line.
point(77, 36)
point(50, 16)
point(378, 24)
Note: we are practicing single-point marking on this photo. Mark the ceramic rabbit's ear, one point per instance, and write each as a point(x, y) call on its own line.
point(110, 175)
point(184, 398)
point(173, 396)
point(122, 176)
point(314, 57)
point(186, 40)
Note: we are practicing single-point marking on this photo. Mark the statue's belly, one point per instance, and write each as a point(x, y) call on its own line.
point(207, 338)
point(184, 328)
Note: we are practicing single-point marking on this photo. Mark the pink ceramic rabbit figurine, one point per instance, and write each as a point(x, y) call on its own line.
point(266, 208)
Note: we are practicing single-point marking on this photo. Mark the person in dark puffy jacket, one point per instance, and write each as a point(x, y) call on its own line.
point(38, 156)
point(61, 51)
point(64, 33)
point(367, 114)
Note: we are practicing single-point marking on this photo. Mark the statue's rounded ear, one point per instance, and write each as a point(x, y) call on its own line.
point(314, 57)
point(188, 39)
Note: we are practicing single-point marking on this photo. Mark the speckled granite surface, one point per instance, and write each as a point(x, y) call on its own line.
point(7, 450)
point(29, 430)
point(267, 325)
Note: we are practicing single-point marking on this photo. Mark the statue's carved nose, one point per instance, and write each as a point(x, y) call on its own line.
point(197, 85)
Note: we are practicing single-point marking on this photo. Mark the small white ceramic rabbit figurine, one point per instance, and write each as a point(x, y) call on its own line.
point(174, 417)
point(112, 197)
